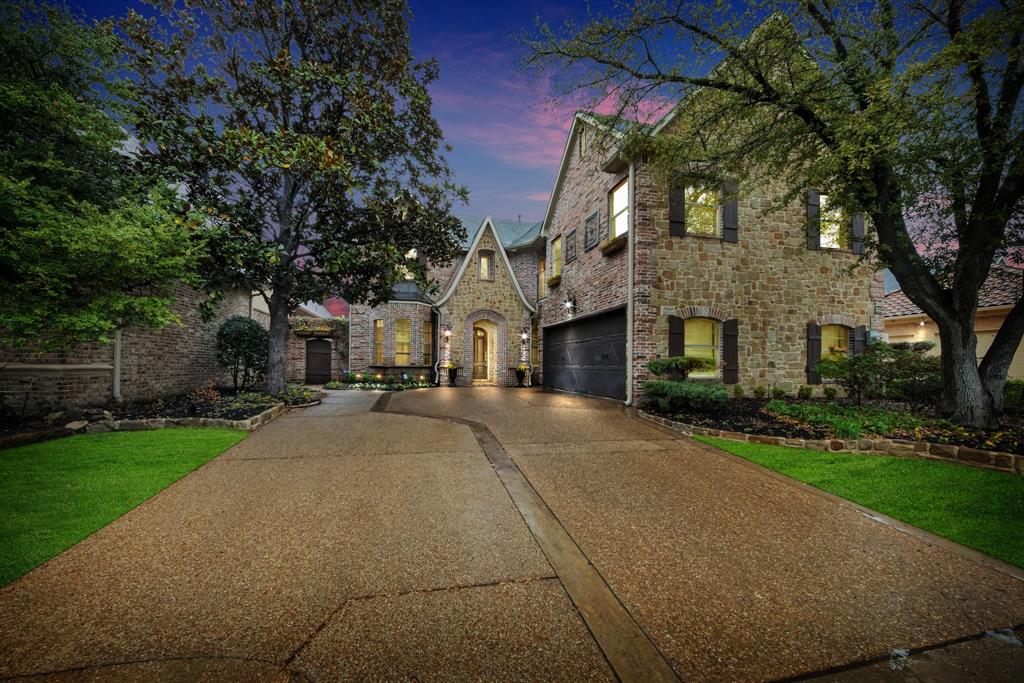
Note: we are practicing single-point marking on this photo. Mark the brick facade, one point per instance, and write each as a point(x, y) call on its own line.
point(175, 359)
point(361, 340)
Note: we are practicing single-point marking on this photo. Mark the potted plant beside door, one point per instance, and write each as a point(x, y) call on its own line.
point(453, 373)
point(521, 374)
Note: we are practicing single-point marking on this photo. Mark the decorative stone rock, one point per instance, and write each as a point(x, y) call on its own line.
point(1003, 461)
point(865, 444)
point(99, 427)
point(815, 444)
point(773, 440)
point(131, 425)
point(974, 455)
point(737, 436)
point(155, 423)
point(943, 450)
point(837, 445)
point(54, 417)
point(77, 425)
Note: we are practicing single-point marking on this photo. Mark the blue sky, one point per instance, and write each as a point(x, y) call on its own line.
point(507, 134)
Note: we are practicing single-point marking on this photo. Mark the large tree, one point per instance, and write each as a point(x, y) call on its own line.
point(909, 112)
point(304, 131)
point(85, 246)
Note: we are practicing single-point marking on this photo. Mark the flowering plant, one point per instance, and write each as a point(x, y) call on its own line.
point(524, 367)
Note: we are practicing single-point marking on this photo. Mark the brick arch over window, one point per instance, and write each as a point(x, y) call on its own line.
point(713, 312)
point(467, 342)
point(837, 319)
point(728, 338)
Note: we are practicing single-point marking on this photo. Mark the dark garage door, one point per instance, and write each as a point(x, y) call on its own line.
point(587, 356)
point(318, 361)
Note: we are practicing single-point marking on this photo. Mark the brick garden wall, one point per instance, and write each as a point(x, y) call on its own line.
point(154, 362)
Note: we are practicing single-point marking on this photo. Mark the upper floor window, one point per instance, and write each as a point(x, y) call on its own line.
point(835, 340)
point(592, 231)
point(556, 256)
point(403, 333)
point(378, 342)
point(486, 259)
point(834, 231)
point(542, 276)
point(570, 246)
point(618, 215)
point(703, 211)
point(700, 339)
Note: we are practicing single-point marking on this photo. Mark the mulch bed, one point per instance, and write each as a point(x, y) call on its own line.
point(226, 408)
point(747, 415)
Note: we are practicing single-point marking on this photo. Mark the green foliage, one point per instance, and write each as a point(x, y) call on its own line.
point(830, 393)
point(778, 392)
point(86, 246)
point(1013, 396)
point(297, 395)
point(975, 507)
point(804, 392)
point(58, 492)
point(669, 397)
point(678, 368)
point(242, 351)
point(306, 136)
point(861, 375)
point(737, 391)
point(903, 372)
point(847, 422)
point(760, 392)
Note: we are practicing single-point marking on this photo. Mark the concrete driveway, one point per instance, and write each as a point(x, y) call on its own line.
point(488, 534)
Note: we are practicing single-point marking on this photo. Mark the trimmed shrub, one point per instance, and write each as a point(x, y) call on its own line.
point(831, 393)
point(670, 397)
point(242, 351)
point(737, 391)
point(679, 367)
point(760, 391)
point(778, 393)
point(804, 392)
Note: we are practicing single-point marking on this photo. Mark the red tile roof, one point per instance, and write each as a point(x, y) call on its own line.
point(337, 307)
point(1004, 286)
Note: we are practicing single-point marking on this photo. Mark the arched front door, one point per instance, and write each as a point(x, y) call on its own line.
point(479, 353)
point(318, 361)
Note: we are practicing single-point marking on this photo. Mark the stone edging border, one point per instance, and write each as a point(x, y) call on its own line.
point(248, 424)
point(975, 457)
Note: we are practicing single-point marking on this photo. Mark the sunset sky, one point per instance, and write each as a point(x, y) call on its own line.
point(507, 134)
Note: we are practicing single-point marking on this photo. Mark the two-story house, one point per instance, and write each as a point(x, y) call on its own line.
point(643, 271)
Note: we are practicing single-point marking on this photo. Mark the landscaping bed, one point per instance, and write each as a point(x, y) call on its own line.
point(375, 386)
point(208, 402)
point(749, 416)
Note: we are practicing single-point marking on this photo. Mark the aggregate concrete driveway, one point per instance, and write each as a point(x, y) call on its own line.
point(543, 537)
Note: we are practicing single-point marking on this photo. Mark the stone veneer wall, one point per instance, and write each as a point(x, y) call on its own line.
point(154, 362)
point(360, 351)
point(769, 281)
point(494, 300)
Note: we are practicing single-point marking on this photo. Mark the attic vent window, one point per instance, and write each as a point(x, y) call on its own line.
point(486, 263)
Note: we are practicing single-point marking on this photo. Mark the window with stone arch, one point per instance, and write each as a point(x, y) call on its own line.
point(701, 340)
point(835, 340)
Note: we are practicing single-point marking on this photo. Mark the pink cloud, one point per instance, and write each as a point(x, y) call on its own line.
point(538, 197)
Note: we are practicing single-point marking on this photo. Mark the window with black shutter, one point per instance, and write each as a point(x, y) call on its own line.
point(857, 234)
point(677, 211)
point(731, 351)
point(730, 212)
point(676, 342)
point(813, 353)
point(813, 219)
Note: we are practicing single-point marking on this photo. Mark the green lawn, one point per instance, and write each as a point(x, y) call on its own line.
point(981, 509)
point(54, 494)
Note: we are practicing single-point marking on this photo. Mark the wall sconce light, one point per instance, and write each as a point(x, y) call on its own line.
point(447, 330)
point(525, 335)
point(922, 323)
point(570, 304)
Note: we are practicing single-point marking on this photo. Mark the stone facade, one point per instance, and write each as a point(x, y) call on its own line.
point(769, 281)
point(154, 362)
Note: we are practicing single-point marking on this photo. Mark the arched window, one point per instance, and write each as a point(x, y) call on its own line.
point(700, 337)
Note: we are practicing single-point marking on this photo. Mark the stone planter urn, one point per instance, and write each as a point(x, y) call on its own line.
point(453, 375)
point(520, 376)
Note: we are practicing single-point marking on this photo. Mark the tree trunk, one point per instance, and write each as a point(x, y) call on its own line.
point(966, 399)
point(277, 342)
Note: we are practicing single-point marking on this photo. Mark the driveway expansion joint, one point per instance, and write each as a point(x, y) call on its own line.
point(628, 649)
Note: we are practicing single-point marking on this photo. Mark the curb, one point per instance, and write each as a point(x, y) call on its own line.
point(1009, 463)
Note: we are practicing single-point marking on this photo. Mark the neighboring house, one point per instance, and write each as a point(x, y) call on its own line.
point(904, 321)
point(482, 319)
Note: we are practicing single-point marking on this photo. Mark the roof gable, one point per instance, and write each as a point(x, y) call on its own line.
point(487, 224)
point(1004, 286)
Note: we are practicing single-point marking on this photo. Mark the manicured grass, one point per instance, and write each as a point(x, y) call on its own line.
point(981, 509)
point(54, 494)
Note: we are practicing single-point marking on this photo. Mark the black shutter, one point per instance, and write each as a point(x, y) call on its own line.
point(813, 352)
point(860, 339)
point(730, 212)
point(857, 234)
point(731, 351)
point(676, 342)
point(677, 211)
point(813, 220)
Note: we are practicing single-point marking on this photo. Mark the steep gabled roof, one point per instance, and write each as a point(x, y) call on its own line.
point(1003, 287)
point(485, 225)
point(511, 233)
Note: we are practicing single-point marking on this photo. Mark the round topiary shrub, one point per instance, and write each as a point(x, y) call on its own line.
point(242, 351)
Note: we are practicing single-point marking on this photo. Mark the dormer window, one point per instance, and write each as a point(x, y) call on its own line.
point(485, 259)
point(618, 214)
